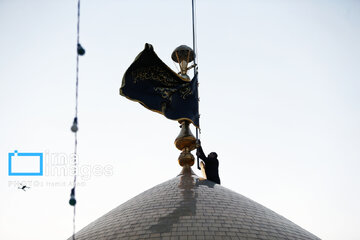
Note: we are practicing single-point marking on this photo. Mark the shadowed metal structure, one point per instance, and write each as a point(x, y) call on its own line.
point(189, 207)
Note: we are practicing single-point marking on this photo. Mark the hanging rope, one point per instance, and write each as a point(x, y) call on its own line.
point(196, 65)
point(74, 128)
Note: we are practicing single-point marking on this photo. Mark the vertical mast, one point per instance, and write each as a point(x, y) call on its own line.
point(195, 68)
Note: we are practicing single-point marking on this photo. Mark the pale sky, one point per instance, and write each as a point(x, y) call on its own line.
point(279, 90)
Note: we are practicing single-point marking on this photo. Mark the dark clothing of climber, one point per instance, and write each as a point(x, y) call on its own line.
point(211, 165)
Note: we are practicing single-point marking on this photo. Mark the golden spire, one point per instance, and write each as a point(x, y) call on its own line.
point(185, 142)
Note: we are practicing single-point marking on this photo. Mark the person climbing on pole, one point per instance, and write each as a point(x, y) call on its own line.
point(211, 164)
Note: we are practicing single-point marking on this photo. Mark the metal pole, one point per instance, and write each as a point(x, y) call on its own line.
point(195, 69)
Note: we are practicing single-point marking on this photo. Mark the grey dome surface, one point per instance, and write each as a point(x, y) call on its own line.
point(188, 207)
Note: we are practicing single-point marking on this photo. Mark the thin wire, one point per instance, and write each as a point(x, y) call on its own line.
point(77, 59)
point(75, 165)
point(74, 229)
point(76, 109)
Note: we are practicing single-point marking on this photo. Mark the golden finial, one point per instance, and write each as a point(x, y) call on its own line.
point(184, 55)
point(185, 142)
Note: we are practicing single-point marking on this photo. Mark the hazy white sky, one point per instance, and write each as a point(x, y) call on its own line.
point(279, 89)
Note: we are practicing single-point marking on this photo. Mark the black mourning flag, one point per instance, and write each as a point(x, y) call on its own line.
point(152, 83)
